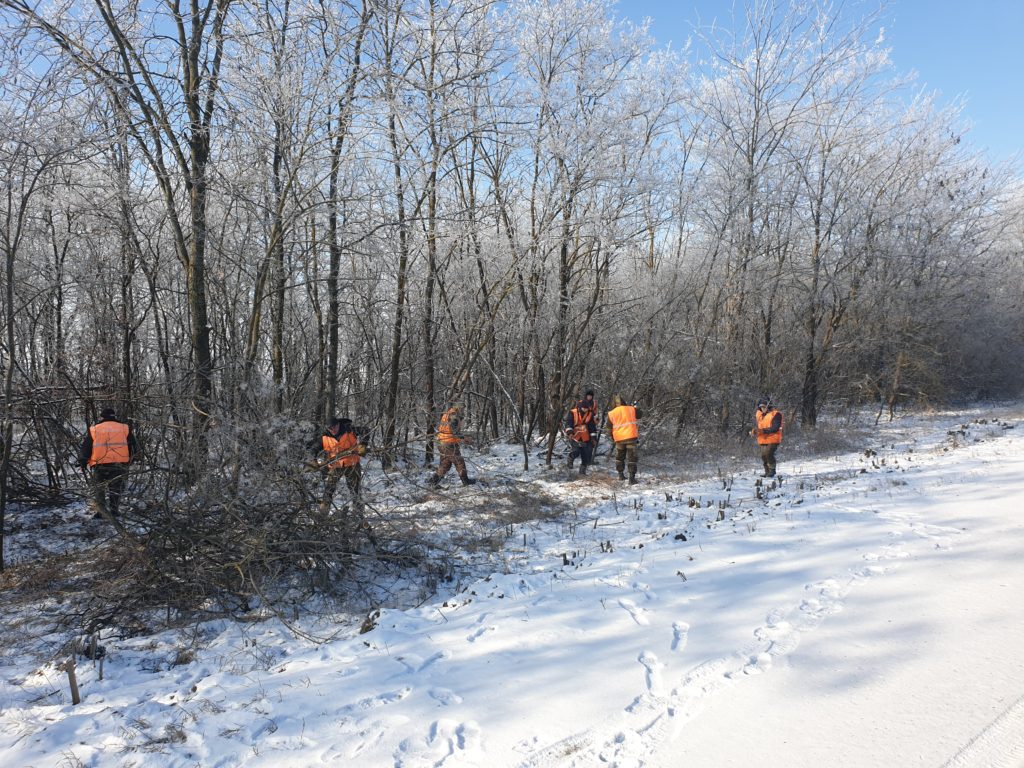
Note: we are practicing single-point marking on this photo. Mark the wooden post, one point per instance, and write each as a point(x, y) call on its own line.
point(69, 667)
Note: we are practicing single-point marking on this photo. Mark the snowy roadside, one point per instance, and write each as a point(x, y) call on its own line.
point(656, 625)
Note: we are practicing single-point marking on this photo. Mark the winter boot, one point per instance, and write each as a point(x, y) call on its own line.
point(583, 469)
point(632, 478)
point(434, 480)
point(467, 480)
point(622, 475)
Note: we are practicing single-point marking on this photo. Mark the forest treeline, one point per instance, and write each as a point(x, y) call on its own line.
point(224, 218)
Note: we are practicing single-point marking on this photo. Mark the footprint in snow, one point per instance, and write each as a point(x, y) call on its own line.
point(814, 609)
point(413, 663)
point(527, 745)
point(434, 659)
point(445, 739)
point(812, 612)
point(652, 671)
point(830, 590)
point(408, 664)
point(873, 570)
point(938, 534)
point(636, 613)
point(700, 682)
point(779, 634)
point(480, 633)
point(645, 590)
point(372, 702)
point(444, 696)
point(680, 633)
point(623, 749)
point(352, 738)
point(889, 552)
point(755, 665)
point(468, 736)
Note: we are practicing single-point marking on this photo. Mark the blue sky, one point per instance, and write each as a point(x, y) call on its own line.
point(970, 49)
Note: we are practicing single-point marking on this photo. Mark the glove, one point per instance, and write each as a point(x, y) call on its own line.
point(361, 449)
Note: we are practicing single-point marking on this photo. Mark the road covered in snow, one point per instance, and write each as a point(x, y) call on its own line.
point(868, 611)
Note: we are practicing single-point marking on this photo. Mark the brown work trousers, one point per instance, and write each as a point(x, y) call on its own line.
point(450, 454)
point(768, 458)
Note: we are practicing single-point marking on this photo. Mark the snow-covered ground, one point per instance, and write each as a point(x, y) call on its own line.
point(867, 612)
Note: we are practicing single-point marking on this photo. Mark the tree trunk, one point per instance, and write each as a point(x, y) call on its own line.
point(391, 405)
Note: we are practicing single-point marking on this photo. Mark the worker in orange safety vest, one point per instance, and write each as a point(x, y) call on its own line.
point(621, 426)
point(107, 449)
point(449, 438)
point(341, 440)
point(580, 426)
point(768, 431)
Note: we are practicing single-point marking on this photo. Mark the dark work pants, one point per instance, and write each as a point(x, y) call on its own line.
point(625, 455)
point(107, 483)
point(768, 458)
point(353, 477)
point(583, 451)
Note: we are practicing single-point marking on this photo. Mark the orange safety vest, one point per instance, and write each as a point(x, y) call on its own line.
point(109, 443)
point(623, 419)
point(333, 446)
point(580, 418)
point(444, 430)
point(764, 421)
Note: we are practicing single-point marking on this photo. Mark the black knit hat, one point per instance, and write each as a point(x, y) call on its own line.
point(108, 413)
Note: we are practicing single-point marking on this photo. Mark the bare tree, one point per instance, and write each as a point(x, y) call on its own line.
point(35, 138)
point(170, 87)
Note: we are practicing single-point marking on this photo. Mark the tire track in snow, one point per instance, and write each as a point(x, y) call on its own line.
point(1001, 745)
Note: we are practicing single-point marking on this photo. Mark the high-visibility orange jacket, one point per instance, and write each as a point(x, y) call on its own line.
point(447, 430)
point(623, 423)
point(769, 427)
point(580, 423)
point(346, 441)
point(109, 443)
